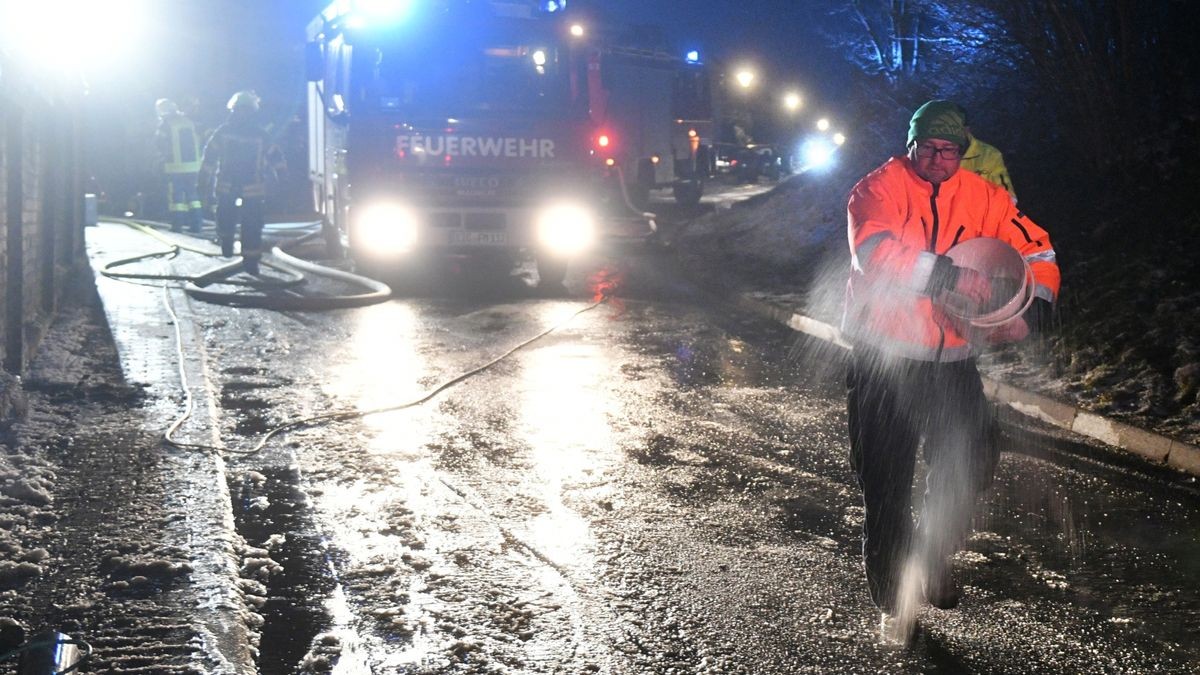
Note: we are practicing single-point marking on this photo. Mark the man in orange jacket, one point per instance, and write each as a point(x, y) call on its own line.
point(913, 378)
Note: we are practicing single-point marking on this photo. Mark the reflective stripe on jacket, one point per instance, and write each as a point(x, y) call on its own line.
point(178, 144)
point(898, 224)
point(987, 162)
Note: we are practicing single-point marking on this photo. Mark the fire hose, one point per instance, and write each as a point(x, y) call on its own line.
point(278, 260)
point(195, 288)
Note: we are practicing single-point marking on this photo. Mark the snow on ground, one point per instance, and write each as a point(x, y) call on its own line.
point(1127, 337)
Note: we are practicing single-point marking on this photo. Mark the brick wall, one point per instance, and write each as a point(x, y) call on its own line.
point(41, 207)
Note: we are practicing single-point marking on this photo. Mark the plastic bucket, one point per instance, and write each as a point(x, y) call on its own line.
point(1010, 276)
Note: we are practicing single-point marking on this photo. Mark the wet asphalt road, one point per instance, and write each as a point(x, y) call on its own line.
point(652, 487)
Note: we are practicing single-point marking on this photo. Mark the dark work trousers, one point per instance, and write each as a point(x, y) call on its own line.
point(895, 405)
point(250, 216)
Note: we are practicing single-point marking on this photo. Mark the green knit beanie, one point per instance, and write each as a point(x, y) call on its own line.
point(938, 119)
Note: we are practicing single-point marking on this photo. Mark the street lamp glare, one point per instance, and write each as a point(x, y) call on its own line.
point(823, 124)
point(791, 100)
point(745, 78)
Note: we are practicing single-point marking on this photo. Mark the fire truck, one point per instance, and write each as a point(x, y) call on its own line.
point(494, 130)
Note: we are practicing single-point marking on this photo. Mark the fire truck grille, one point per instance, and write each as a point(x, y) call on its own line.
point(447, 219)
point(484, 221)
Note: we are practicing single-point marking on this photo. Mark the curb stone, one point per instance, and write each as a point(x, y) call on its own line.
point(1150, 446)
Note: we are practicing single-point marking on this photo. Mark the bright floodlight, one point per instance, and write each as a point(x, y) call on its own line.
point(791, 101)
point(539, 57)
point(839, 138)
point(823, 124)
point(62, 35)
point(745, 78)
point(577, 30)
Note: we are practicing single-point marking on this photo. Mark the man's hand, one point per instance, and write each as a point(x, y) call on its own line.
point(972, 285)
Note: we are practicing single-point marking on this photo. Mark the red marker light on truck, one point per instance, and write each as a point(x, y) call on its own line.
point(603, 141)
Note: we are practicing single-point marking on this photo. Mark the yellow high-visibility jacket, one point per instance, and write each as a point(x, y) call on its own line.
point(178, 144)
point(987, 162)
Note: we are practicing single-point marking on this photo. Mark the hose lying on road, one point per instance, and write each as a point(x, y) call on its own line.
point(289, 266)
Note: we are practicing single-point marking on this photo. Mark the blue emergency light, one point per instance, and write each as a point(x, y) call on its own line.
point(376, 12)
point(554, 5)
point(692, 57)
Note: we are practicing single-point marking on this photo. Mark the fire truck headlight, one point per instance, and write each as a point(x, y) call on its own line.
point(565, 229)
point(386, 229)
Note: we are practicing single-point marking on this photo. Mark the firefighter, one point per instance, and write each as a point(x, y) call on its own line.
point(179, 157)
point(243, 162)
point(912, 376)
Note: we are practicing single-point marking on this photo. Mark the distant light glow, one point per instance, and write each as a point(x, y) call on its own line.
point(539, 57)
point(603, 140)
point(817, 153)
point(744, 78)
point(577, 30)
point(382, 10)
point(554, 5)
point(692, 57)
point(839, 138)
point(791, 101)
point(823, 124)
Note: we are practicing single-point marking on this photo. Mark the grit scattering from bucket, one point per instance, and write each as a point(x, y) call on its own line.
point(1011, 281)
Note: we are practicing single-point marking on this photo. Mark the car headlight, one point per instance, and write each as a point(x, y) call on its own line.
point(565, 229)
point(386, 229)
point(817, 153)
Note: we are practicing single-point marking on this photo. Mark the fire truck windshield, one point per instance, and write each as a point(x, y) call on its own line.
point(456, 77)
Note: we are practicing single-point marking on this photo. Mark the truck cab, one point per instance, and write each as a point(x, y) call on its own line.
point(485, 130)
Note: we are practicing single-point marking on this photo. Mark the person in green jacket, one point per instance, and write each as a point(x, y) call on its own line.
point(985, 160)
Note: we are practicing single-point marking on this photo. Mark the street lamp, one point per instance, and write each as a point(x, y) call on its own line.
point(745, 78)
point(839, 138)
point(791, 101)
point(823, 124)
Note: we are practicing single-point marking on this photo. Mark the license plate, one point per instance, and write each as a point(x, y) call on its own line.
point(478, 238)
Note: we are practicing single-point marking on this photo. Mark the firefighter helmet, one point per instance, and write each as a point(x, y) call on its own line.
point(245, 100)
point(165, 106)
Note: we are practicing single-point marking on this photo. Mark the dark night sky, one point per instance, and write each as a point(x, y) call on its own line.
point(781, 37)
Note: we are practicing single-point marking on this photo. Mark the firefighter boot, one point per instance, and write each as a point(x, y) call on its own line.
point(250, 264)
point(226, 247)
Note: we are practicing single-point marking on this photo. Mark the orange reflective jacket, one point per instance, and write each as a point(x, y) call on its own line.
point(899, 224)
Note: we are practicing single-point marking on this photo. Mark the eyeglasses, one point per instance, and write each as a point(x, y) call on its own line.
point(947, 152)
